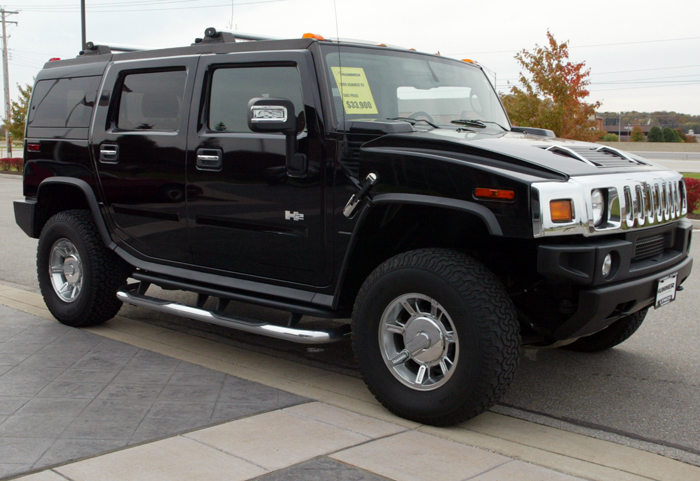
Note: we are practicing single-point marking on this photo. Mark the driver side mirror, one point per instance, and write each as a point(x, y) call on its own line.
point(277, 115)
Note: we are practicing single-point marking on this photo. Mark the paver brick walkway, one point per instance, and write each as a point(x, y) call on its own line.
point(66, 394)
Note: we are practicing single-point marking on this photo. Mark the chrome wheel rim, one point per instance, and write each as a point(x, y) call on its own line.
point(66, 270)
point(418, 342)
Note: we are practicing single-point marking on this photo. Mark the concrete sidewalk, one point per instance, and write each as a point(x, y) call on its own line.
point(277, 419)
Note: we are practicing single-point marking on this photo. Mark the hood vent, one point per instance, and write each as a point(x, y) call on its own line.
point(603, 156)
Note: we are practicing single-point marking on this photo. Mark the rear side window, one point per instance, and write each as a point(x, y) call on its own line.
point(66, 102)
point(232, 89)
point(152, 101)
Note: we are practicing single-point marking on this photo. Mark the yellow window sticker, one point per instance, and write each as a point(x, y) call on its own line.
point(353, 85)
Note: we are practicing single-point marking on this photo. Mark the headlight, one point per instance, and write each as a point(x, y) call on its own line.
point(598, 203)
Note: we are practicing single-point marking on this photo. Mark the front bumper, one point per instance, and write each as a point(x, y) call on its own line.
point(599, 307)
point(632, 284)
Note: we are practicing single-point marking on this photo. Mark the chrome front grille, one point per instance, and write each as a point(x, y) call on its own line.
point(647, 203)
point(648, 247)
point(635, 200)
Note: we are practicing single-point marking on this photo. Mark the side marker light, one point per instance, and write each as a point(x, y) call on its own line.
point(500, 194)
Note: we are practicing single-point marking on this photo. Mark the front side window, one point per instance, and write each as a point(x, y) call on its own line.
point(384, 84)
point(63, 102)
point(232, 88)
point(152, 101)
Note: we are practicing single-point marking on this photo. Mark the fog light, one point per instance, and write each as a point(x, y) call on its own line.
point(607, 265)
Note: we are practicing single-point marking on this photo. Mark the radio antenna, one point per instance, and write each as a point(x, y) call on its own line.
point(344, 145)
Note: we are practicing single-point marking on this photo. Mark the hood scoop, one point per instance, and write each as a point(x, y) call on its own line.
point(602, 156)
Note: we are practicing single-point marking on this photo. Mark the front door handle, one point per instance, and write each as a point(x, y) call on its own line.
point(109, 153)
point(209, 159)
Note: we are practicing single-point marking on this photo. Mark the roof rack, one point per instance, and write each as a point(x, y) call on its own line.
point(212, 35)
point(91, 48)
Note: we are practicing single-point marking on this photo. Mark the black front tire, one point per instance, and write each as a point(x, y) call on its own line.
point(616, 333)
point(73, 234)
point(474, 312)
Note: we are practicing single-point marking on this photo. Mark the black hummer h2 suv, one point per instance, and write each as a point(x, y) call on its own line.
point(335, 179)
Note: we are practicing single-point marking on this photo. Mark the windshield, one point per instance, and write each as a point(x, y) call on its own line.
point(386, 84)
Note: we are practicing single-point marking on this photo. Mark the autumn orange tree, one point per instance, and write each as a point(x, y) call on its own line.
point(552, 93)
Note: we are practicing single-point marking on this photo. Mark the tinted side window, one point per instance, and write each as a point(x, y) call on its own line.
point(64, 102)
point(232, 89)
point(152, 101)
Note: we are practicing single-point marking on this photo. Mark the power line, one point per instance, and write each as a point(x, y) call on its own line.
point(644, 70)
point(48, 10)
point(585, 46)
point(646, 87)
point(97, 6)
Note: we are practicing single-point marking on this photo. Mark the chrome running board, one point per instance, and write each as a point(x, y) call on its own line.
point(303, 336)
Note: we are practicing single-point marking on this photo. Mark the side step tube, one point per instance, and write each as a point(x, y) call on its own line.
point(303, 336)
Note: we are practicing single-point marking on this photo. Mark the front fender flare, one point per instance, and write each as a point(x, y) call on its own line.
point(483, 213)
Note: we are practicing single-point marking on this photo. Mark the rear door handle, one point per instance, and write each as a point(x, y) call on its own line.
point(109, 153)
point(209, 159)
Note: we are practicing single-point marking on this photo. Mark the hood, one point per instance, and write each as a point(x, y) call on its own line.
point(558, 156)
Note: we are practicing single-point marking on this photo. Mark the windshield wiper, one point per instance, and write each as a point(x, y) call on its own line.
point(477, 123)
point(412, 121)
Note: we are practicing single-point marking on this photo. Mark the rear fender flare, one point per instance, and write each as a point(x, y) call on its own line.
point(89, 194)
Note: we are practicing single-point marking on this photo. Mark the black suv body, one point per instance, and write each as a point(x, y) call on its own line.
point(332, 180)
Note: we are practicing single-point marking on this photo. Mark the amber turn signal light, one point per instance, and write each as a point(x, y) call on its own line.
point(561, 210)
point(500, 194)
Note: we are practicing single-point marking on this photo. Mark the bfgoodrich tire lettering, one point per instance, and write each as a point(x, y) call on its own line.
point(78, 275)
point(457, 308)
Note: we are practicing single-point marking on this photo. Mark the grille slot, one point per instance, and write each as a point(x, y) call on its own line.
point(648, 247)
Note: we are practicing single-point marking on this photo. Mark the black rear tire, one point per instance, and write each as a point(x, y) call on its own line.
point(616, 333)
point(92, 272)
point(445, 291)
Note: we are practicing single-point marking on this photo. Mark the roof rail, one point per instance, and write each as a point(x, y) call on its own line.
point(91, 48)
point(212, 35)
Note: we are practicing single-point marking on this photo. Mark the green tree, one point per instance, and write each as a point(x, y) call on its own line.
point(553, 93)
point(18, 111)
point(655, 134)
point(609, 137)
point(637, 134)
point(670, 135)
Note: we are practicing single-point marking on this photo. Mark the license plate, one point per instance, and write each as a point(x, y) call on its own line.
point(666, 290)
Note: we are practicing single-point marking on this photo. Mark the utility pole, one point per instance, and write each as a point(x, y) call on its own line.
point(82, 25)
point(6, 78)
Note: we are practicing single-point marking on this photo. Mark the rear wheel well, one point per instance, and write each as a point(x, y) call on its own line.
point(54, 198)
point(391, 229)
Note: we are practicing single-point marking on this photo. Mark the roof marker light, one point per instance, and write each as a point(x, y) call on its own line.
point(468, 60)
point(53, 59)
point(314, 36)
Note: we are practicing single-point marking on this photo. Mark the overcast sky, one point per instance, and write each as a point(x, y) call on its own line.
point(642, 55)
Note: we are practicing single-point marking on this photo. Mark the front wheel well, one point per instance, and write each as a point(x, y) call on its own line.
point(391, 229)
